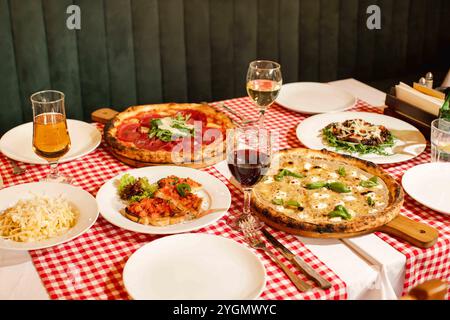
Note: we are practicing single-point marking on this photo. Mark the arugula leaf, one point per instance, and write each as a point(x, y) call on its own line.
point(183, 189)
point(341, 171)
point(278, 202)
point(340, 211)
point(370, 201)
point(339, 145)
point(372, 182)
point(293, 203)
point(316, 185)
point(285, 172)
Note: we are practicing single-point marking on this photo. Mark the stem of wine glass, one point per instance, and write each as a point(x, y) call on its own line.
point(247, 198)
point(54, 172)
point(262, 113)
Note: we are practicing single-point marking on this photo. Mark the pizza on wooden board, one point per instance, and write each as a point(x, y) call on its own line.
point(325, 194)
point(168, 133)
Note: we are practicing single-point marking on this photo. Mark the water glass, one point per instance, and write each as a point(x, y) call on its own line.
point(440, 141)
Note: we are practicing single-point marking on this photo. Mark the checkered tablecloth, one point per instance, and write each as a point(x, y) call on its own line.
point(90, 267)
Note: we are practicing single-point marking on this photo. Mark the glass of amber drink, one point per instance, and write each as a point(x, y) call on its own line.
point(51, 138)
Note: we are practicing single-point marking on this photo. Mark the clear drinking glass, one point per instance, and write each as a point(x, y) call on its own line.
point(248, 156)
point(51, 138)
point(264, 82)
point(440, 141)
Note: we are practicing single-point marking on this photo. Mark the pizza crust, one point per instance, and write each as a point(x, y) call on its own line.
point(214, 150)
point(358, 225)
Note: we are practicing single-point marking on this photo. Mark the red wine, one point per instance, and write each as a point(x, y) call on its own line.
point(248, 166)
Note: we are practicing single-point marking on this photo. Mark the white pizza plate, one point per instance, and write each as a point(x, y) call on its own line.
point(194, 267)
point(215, 195)
point(429, 184)
point(314, 97)
point(17, 143)
point(79, 198)
point(409, 142)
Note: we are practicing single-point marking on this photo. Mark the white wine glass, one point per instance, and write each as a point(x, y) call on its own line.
point(51, 138)
point(264, 82)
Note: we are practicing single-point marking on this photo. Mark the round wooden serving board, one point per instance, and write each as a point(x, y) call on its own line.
point(418, 234)
point(194, 165)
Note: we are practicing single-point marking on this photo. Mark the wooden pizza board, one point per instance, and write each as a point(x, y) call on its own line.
point(104, 115)
point(418, 234)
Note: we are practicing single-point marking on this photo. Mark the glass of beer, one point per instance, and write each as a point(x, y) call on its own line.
point(51, 138)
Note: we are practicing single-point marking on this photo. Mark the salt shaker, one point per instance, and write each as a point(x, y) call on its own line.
point(429, 80)
point(423, 82)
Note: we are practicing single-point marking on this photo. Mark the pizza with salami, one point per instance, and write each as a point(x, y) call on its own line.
point(168, 133)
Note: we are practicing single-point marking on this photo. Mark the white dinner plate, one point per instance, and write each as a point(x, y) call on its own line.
point(314, 97)
point(409, 142)
point(17, 143)
point(194, 267)
point(429, 184)
point(214, 193)
point(80, 199)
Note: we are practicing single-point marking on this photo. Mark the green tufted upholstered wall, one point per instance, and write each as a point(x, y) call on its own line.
point(145, 51)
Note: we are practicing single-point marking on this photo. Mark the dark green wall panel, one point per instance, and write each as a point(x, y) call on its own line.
point(400, 36)
point(268, 29)
point(93, 57)
point(30, 45)
point(288, 39)
point(309, 34)
point(221, 23)
point(329, 40)
point(348, 38)
point(365, 43)
point(416, 32)
point(198, 53)
point(63, 55)
point(10, 103)
point(245, 41)
point(119, 42)
point(173, 52)
point(383, 41)
point(147, 51)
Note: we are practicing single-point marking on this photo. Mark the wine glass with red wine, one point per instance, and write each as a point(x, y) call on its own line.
point(248, 156)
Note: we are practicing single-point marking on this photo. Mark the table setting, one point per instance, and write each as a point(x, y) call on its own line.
point(282, 195)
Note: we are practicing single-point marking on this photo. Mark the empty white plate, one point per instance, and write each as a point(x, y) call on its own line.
point(215, 195)
point(79, 198)
point(429, 184)
point(17, 143)
point(194, 267)
point(313, 97)
point(409, 142)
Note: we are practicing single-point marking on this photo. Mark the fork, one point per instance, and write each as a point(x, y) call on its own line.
point(255, 241)
point(16, 168)
point(243, 120)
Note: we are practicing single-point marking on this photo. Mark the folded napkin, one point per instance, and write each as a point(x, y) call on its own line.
point(420, 100)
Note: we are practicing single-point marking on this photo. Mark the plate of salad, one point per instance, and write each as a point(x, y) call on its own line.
point(163, 200)
point(369, 136)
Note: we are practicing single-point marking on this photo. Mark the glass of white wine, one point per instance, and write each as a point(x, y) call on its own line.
point(264, 82)
point(51, 138)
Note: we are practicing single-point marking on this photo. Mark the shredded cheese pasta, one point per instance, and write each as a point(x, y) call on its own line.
point(37, 219)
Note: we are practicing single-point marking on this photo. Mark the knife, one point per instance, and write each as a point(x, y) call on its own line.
point(297, 261)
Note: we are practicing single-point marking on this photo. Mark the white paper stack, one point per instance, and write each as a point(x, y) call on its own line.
point(420, 100)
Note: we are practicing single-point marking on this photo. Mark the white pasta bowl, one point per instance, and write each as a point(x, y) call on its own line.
point(80, 199)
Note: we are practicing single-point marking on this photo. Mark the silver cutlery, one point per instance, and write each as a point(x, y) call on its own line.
point(16, 168)
point(243, 120)
point(255, 241)
point(297, 261)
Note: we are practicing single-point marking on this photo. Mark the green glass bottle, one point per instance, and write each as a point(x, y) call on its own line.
point(444, 112)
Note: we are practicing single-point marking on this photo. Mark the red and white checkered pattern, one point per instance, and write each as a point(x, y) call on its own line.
point(90, 267)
